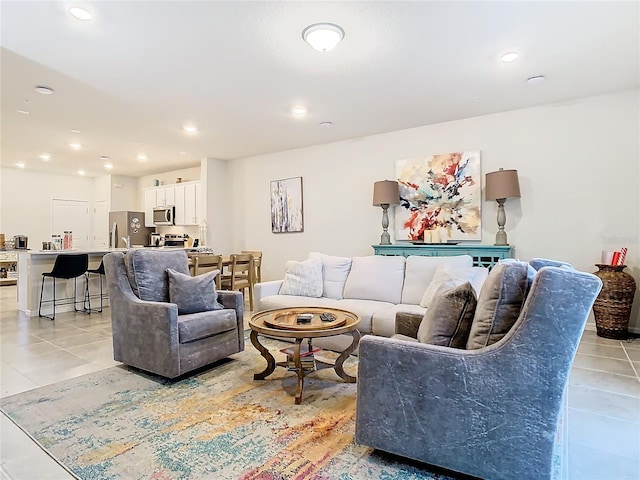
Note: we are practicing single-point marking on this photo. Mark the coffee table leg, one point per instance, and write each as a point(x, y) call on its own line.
point(344, 355)
point(299, 371)
point(271, 362)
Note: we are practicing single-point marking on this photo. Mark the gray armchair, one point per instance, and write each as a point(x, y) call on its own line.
point(490, 412)
point(149, 334)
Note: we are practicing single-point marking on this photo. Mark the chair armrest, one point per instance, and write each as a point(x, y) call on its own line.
point(408, 323)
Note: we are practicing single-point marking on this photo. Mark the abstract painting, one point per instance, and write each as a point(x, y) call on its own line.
point(286, 205)
point(440, 198)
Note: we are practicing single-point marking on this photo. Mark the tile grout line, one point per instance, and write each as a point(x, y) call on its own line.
point(632, 365)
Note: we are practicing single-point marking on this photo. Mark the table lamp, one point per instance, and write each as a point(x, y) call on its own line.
point(385, 193)
point(499, 186)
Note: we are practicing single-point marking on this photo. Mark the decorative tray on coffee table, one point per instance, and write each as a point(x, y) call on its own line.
point(294, 319)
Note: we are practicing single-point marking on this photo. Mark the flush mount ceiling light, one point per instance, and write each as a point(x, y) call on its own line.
point(75, 146)
point(299, 111)
point(80, 13)
point(45, 157)
point(326, 124)
point(510, 57)
point(41, 89)
point(323, 37)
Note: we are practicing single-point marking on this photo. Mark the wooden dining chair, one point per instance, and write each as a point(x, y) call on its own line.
point(257, 263)
point(241, 276)
point(203, 263)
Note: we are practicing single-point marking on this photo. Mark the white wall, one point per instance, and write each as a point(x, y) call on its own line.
point(578, 164)
point(25, 201)
point(124, 193)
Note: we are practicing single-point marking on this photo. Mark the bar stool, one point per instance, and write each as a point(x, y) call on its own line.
point(102, 295)
point(66, 266)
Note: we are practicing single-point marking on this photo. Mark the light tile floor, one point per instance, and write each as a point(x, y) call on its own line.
point(604, 391)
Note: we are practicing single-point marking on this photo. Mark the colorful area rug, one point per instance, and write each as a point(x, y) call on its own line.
point(218, 424)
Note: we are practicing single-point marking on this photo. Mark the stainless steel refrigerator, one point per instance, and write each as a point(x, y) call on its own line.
point(128, 227)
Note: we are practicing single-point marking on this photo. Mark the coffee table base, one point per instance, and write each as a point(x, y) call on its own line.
point(298, 367)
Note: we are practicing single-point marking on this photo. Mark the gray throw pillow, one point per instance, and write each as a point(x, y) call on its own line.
point(193, 294)
point(500, 301)
point(448, 318)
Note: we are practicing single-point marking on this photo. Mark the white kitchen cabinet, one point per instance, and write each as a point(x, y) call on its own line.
point(191, 192)
point(179, 203)
point(169, 196)
point(149, 205)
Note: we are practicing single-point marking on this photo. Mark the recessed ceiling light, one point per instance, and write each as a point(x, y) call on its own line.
point(299, 111)
point(108, 166)
point(510, 57)
point(182, 153)
point(323, 37)
point(45, 157)
point(44, 90)
point(190, 129)
point(326, 124)
point(75, 131)
point(23, 112)
point(142, 158)
point(80, 172)
point(20, 164)
point(75, 146)
point(104, 158)
point(80, 13)
point(536, 79)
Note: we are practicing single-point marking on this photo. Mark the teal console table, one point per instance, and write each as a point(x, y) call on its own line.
point(483, 255)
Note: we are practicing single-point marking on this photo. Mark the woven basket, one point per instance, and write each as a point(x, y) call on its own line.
point(612, 308)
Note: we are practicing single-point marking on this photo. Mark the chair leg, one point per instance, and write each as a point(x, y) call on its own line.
point(54, 303)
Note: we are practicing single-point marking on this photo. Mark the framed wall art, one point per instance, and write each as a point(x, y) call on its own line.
point(440, 198)
point(286, 205)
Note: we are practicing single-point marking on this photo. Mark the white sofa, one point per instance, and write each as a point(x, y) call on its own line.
point(374, 287)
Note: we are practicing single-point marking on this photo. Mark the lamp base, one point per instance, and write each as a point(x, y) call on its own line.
point(385, 239)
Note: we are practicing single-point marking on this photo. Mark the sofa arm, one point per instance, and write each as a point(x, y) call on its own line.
point(234, 299)
point(408, 323)
point(265, 289)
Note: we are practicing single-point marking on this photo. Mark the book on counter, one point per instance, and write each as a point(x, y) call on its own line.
point(304, 350)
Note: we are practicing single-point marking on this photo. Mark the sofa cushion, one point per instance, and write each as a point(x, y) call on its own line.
point(335, 271)
point(500, 302)
point(365, 309)
point(383, 323)
point(376, 277)
point(284, 301)
point(449, 277)
point(147, 272)
point(303, 278)
point(448, 318)
point(197, 326)
point(193, 294)
point(420, 271)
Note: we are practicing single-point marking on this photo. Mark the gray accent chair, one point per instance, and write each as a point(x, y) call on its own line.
point(492, 412)
point(149, 334)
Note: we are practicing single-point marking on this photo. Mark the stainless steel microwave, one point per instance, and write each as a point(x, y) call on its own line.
point(163, 215)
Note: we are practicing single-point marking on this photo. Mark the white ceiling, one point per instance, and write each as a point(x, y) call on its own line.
point(130, 78)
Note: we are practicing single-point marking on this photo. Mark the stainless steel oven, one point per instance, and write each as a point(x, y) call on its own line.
point(163, 215)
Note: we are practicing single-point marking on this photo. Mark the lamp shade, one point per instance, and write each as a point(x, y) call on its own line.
point(502, 184)
point(385, 192)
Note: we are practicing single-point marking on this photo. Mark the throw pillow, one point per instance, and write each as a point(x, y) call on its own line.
point(376, 277)
point(446, 277)
point(448, 319)
point(303, 278)
point(335, 271)
point(499, 303)
point(419, 272)
point(193, 294)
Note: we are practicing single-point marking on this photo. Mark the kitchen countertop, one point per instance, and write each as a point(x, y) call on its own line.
point(92, 251)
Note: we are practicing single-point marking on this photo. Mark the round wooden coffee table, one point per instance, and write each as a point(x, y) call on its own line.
point(283, 322)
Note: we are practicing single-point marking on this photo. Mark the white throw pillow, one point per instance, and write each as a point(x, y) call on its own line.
point(335, 271)
point(420, 270)
point(446, 277)
point(303, 278)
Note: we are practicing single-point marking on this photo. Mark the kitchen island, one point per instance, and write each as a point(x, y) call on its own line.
point(33, 263)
